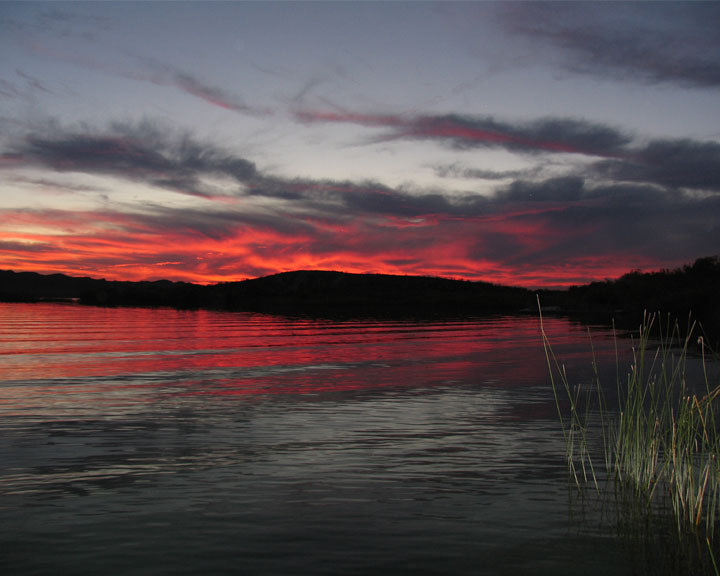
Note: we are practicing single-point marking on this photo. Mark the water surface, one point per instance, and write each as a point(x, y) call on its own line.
point(142, 441)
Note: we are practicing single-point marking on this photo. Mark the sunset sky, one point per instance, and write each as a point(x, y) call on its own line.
point(525, 144)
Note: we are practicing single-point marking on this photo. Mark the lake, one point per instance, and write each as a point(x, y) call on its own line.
point(156, 441)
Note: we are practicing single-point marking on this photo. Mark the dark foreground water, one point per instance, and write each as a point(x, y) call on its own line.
point(139, 441)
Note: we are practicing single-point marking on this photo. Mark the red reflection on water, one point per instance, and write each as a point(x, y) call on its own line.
point(57, 355)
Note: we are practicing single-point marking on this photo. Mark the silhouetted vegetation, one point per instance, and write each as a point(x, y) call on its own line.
point(301, 292)
point(656, 430)
point(32, 287)
point(694, 288)
point(339, 293)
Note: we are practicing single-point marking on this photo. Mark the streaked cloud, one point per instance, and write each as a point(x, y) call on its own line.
point(672, 42)
point(561, 135)
point(161, 74)
point(456, 170)
point(681, 163)
point(523, 143)
point(132, 151)
point(527, 224)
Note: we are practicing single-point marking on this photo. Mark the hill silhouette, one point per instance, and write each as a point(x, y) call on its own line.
point(301, 292)
point(341, 293)
point(693, 288)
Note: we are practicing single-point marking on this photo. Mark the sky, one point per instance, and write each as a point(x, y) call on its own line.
point(529, 144)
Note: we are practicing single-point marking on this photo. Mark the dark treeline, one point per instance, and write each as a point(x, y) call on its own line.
point(690, 292)
point(344, 294)
point(301, 292)
point(32, 287)
point(694, 288)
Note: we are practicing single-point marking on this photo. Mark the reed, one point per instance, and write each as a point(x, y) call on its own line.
point(662, 444)
point(575, 425)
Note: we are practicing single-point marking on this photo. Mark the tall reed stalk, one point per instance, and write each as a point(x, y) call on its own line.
point(663, 441)
point(574, 426)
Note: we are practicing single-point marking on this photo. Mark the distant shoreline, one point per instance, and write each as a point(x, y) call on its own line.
point(692, 289)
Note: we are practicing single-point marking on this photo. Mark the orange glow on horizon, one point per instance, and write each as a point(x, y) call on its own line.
point(548, 277)
point(499, 248)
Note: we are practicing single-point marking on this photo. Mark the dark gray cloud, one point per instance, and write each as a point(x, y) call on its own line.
point(143, 152)
point(100, 154)
point(218, 224)
point(344, 199)
point(178, 161)
point(674, 163)
point(10, 247)
point(187, 153)
point(162, 74)
point(674, 42)
point(135, 152)
point(529, 222)
point(561, 189)
point(455, 170)
point(282, 189)
point(640, 203)
point(211, 94)
point(562, 135)
point(681, 163)
point(56, 186)
point(385, 201)
point(571, 135)
point(613, 224)
point(621, 219)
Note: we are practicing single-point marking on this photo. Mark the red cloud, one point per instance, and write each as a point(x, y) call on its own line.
point(502, 248)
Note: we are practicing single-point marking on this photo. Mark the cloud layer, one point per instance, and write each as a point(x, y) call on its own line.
point(524, 143)
point(659, 42)
point(629, 205)
point(545, 135)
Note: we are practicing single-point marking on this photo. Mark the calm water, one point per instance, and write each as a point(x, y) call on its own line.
point(138, 441)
